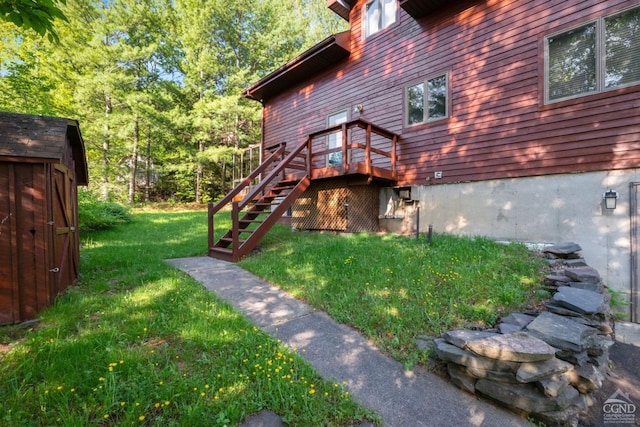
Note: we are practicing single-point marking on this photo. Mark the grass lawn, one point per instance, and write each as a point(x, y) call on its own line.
point(394, 288)
point(138, 343)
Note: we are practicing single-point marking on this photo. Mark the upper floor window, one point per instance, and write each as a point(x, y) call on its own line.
point(427, 100)
point(598, 56)
point(378, 15)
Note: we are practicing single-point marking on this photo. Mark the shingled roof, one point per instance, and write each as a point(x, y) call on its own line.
point(29, 138)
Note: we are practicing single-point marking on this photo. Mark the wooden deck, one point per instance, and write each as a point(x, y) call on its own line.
point(367, 153)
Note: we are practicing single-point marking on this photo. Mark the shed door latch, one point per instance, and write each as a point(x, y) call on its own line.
point(55, 270)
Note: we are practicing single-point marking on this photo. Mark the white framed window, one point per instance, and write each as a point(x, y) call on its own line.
point(597, 56)
point(427, 100)
point(378, 15)
point(334, 140)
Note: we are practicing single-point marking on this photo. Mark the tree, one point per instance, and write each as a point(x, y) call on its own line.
point(30, 14)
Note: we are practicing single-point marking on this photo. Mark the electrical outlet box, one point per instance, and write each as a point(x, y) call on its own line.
point(437, 174)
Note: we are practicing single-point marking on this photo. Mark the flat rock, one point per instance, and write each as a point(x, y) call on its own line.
point(534, 371)
point(553, 385)
point(586, 378)
point(509, 328)
point(516, 347)
point(580, 300)
point(460, 378)
point(561, 332)
point(558, 278)
point(561, 249)
point(526, 396)
point(460, 337)
point(578, 262)
point(583, 274)
point(454, 354)
point(489, 374)
point(518, 319)
point(595, 287)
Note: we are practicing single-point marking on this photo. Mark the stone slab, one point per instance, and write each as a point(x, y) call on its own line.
point(526, 397)
point(509, 328)
point(460, 337)
point(579, 300)
point(530, 372)
point(454, 354)
point(561, 332)
point(564, 248)
point(595, 287)
point(553, 385)
point(578, 262)
point(519, 319)
point(460, 378)
point(583, 274)
point(516, 347)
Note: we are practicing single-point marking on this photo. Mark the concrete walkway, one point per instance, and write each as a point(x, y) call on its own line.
point(340, 354)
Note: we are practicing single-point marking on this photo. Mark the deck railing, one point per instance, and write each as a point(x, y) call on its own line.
point(363, 148)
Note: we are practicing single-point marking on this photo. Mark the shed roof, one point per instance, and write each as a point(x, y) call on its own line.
point(26, 137)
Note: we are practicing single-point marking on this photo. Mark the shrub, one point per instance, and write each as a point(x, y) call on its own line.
point(95, 214)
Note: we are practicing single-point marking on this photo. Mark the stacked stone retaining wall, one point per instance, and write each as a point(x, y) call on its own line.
point(545, 364)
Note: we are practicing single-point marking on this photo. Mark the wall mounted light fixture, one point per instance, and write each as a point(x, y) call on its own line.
point(358, 109)
point(610, 198)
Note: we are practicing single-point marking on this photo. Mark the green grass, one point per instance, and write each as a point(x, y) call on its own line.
point(139, 343)
point(393, 288)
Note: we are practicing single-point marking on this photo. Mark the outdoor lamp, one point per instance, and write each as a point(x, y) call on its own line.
point(610, 199)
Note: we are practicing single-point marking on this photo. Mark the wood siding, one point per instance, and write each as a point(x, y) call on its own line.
point(499, 126)
point(41, 161)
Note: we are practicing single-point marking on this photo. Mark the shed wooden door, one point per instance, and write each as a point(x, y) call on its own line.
point(65, 238)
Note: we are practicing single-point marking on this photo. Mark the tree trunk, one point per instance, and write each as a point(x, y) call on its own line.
point(134, 160)
point(147, 165)
point(105, 149)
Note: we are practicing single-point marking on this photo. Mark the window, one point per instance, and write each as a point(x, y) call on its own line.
point(427, 101)
point(378, 15)
point(595, 57)
point(334, 140)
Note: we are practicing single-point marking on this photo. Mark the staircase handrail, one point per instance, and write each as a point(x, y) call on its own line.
point(272, 174)
point(246, 181)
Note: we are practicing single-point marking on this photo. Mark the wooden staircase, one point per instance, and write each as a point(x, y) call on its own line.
point(254, 210)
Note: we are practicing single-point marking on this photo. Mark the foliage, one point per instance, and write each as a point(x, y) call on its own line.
point(139, 343)
point(95, 214)
point(156, 84)
point(35, 15)
point(393, 288)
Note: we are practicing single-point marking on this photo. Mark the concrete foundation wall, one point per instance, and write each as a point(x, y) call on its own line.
point(547, 209)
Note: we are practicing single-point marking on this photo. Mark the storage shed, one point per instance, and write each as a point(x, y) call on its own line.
point(42, 161)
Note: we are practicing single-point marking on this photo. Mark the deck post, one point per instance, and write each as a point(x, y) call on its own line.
point(367, 150)
point(345, 163)
point(211, 225)
point(309, 155)
point(394, 142)
point(235, 227)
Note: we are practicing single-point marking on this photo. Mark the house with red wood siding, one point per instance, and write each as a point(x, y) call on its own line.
point(503, 118)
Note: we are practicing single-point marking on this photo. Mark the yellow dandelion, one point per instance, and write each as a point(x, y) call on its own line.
point(312, 391)
point(167, 403)
point(141, 418)
point(156, 405)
